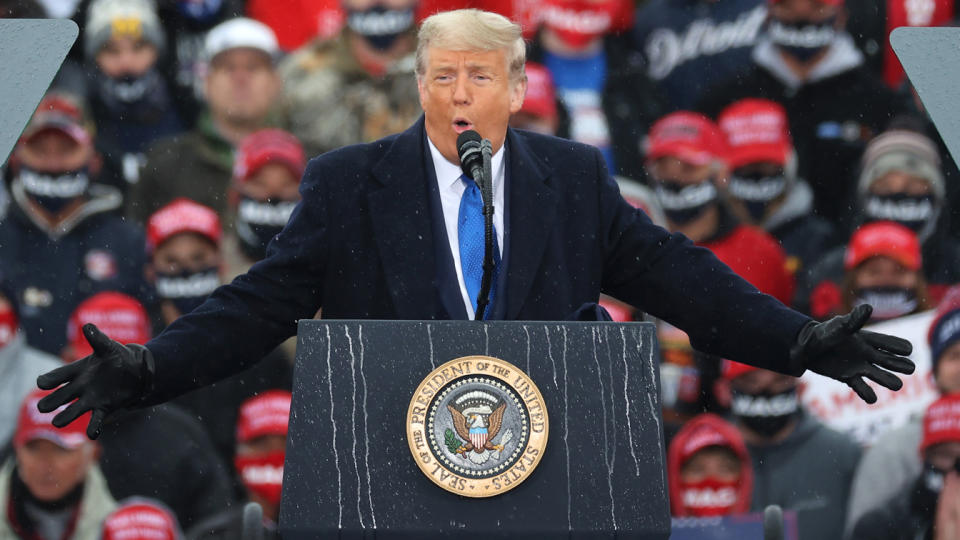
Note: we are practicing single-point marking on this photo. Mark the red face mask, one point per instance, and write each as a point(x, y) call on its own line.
point(262, 474)
point(709, 497)
point(578, 22)
point(8, 327)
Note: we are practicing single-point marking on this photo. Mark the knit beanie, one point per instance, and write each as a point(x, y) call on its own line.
point(117, 18)
point(945, 328)
point(901, 150)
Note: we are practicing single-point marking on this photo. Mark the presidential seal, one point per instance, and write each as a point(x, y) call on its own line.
point(477, 426)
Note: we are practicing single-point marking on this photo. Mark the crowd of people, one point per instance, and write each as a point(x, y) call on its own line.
point(782, 135)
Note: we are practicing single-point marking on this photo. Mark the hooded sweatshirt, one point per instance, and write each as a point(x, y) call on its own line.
point(704, 431)
point(809, 472)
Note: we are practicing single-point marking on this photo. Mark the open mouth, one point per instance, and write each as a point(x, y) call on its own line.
point(461, 124)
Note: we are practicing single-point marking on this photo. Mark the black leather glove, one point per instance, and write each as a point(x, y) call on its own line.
point(113, 377)
point(840, 350)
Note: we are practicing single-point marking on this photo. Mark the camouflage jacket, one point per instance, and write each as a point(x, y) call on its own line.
point(330, 101)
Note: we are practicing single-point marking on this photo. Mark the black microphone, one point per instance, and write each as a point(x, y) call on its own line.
point(471, 156)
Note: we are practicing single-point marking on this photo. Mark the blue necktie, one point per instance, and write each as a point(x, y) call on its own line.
point(470, 236)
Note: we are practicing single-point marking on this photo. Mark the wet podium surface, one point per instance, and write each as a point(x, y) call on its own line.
point(350, 472)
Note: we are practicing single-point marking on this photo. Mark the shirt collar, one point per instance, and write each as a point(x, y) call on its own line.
point(448, 174)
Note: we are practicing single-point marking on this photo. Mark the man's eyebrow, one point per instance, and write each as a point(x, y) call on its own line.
point(473, 66)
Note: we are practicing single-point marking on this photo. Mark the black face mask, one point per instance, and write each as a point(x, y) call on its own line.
point(685, 203)
point(887, 302)
point(766, 414)
point(803, 39)
point(379, 25)
point(258, 222)
point(187, 290)
point(911, 211)
point(757, 191)
point(136, 96)
point(54, 191)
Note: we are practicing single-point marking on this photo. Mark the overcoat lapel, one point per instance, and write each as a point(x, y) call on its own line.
point(400, 213)
point(533, 209)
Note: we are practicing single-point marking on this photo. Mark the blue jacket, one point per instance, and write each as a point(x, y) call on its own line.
point(361, 246)
point(52, 270)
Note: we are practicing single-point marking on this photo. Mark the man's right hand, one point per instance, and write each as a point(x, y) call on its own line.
point(113, 377)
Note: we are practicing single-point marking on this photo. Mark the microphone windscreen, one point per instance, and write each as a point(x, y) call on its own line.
point(467, 137)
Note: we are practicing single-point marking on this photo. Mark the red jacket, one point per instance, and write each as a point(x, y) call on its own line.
point(756, 257)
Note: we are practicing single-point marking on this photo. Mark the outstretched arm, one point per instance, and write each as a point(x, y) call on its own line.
point(668, 276)
point(237, 326)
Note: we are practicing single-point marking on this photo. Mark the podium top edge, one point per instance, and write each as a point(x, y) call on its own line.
point(322, 322)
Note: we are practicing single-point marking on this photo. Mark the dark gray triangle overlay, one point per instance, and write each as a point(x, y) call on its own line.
point(31, 51)
point(931, 58)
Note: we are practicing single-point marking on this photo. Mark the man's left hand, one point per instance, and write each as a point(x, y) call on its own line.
point(839, 349)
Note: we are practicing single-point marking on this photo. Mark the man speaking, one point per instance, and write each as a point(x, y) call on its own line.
point(393, 230)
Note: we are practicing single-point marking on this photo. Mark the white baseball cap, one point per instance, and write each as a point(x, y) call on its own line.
point(238, 33)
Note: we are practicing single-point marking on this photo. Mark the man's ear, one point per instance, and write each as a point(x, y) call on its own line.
point(517, 94)
point(420, 90)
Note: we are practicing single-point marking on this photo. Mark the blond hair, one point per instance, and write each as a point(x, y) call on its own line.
point(472, 30)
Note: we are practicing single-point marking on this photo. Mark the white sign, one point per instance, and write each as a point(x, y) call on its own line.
point(839, 407)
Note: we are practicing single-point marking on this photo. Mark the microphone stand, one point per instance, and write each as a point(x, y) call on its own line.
point(486, 193)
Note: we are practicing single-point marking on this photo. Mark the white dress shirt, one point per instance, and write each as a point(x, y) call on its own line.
point(451, 189)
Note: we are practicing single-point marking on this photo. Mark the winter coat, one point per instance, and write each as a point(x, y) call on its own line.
point(832, 115)
point(216, 407)
point(887, 468)
point(330, 100)
point(52, 270)
point(809, 472)
point(96, 504)
point(689, 45)
point(197, 165)
point(20, 365)
point(162, 453)
point(753, 254)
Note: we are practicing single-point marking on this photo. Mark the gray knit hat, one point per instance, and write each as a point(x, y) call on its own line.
point(902, 150)
point(109, 18)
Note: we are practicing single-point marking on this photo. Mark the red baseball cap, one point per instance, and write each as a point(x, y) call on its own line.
point(33, 424)
point(62, 112)
point(268, 146)
point(541, 98)
point(690, 136)
point(731, 370)
point(941, 422)
point(120, 317)
point(180, 216)
point(884, 238)
point(141, 519)
point(756, 131)
point(265, 414)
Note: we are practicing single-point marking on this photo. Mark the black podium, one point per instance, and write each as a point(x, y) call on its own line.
point(350, 473)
